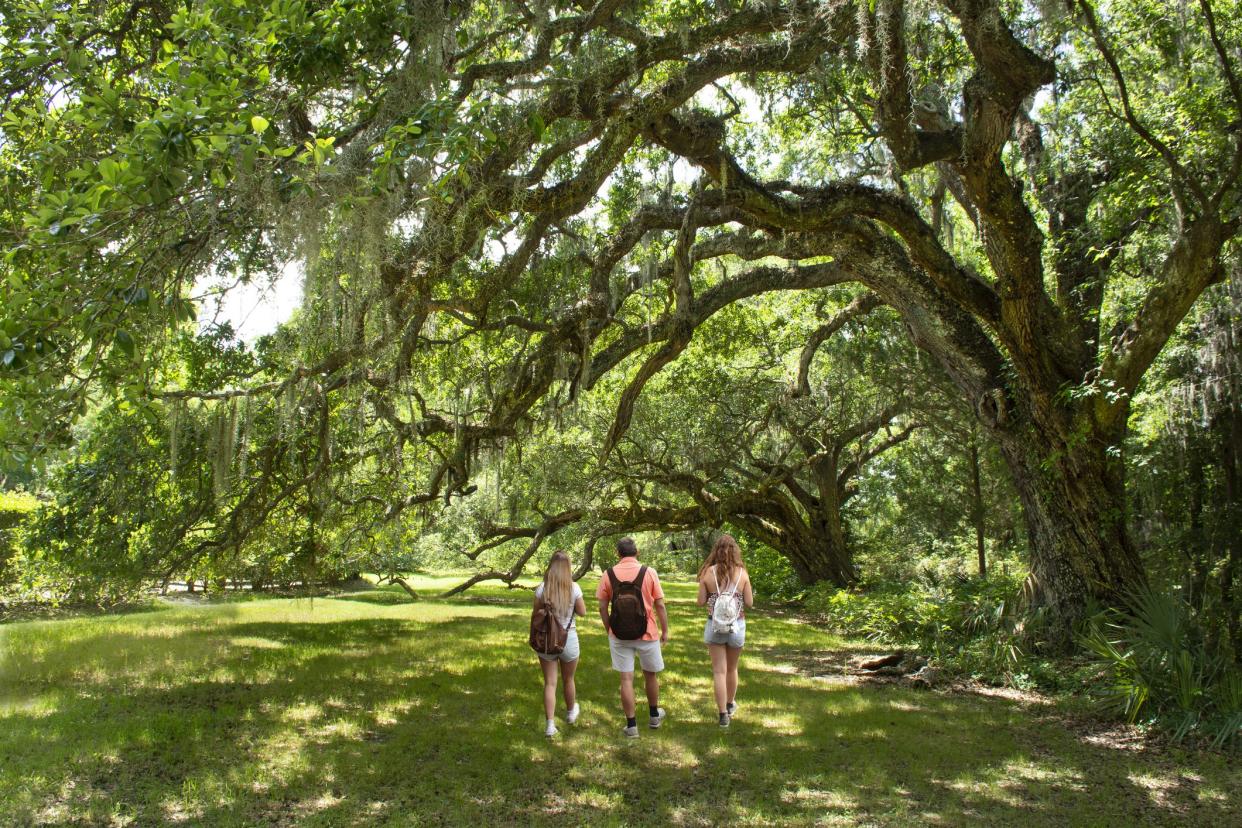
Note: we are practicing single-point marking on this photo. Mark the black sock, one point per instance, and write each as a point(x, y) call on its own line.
point(655, 711)
point(630, 721)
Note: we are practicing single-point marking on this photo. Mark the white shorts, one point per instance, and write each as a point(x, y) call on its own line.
point(623, 653)
point(570, 653)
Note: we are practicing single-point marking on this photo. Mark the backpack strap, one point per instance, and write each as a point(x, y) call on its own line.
point(612, 579)
point(638, 582)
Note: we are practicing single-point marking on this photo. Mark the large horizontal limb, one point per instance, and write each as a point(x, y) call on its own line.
point(819, 209)
point(608, 521)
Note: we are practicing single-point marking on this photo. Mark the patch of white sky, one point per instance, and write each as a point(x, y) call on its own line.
point(253, 308)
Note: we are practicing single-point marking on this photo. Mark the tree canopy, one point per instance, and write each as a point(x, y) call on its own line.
point(520, 219)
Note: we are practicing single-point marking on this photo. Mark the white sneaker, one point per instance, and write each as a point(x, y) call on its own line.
point(731, 709)
point(630, 732)
point(550, 730)
point(658, 719)
point(572, 715)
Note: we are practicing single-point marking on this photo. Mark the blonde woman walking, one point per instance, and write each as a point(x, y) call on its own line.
point(724, 588)
point(563, 597)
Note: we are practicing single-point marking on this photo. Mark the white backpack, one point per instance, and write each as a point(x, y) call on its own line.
point(727, 610)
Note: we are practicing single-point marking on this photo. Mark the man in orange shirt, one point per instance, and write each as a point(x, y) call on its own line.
point(647, 646)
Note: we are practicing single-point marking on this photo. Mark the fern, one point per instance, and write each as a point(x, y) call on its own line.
point(1161, 670)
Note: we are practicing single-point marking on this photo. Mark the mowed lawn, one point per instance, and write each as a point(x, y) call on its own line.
point(367, 709)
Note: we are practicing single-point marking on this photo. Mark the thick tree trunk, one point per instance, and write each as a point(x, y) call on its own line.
point(976, 511)
point(821, 560)
point(1230, 442)
point(1074, 504)
point(823, 548)
point(1197, 550)
point(817, 551)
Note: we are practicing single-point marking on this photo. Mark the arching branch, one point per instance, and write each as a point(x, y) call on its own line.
point(859, 307)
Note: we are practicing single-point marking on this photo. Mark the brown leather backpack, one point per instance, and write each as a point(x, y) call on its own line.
point(547, 635)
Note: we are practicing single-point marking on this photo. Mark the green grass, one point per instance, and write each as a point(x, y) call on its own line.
point(364, 709)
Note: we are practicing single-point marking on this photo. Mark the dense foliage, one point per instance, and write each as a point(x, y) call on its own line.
point(889, 288)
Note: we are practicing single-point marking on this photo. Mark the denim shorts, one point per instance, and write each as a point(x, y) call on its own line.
point(570, 653)
point(735, 639)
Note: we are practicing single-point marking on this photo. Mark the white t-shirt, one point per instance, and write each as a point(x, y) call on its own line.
point(567, 621)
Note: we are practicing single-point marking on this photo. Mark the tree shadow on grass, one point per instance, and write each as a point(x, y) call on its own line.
point(379, 597)
point(395, 721)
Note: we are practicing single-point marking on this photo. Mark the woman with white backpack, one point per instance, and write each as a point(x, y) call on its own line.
point(724, 588)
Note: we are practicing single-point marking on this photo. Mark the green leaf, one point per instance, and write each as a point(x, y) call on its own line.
point(259, 124)
point(125, 342)
point(537, 127)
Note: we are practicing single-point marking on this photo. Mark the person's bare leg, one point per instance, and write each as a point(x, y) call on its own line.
point(733, 656)
point(549, 687)
point(567, 683)
point(652, 682)
point(719, 674)
point(627, 694)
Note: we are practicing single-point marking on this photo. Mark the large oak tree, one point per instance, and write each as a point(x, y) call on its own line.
point(1040, 192)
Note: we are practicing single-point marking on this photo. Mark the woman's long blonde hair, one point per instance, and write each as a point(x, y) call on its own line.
point(558, 584)
point(725, 558)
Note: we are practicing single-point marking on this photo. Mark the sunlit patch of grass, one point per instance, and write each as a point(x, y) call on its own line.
point(338, 711)
point(1167, 787)
point(831, 807)
point(1019, 783)
point(301, 713)
point(1212, 794)
point(255, 642)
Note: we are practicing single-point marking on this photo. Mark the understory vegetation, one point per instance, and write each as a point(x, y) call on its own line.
point(1155, 664)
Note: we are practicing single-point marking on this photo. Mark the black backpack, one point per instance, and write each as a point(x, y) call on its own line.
point(627, 614)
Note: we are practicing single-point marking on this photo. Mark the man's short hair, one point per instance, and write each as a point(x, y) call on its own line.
point(626, 548)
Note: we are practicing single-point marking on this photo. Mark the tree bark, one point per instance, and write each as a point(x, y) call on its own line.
point(1074, 504)
point(976, 510)
point(1230, 431)
point(1197, 549)
point(816, 552)
point(828, 556)
point(404, 584)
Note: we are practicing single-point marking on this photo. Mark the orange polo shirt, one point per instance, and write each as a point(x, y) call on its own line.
point(627, 570)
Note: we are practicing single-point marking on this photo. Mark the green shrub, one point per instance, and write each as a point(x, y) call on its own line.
point(771, 576)
point(15, 507)
point(968, 626)
point(1163, 669)
point(885, 614)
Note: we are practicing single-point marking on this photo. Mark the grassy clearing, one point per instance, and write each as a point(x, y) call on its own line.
point(366, 709)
